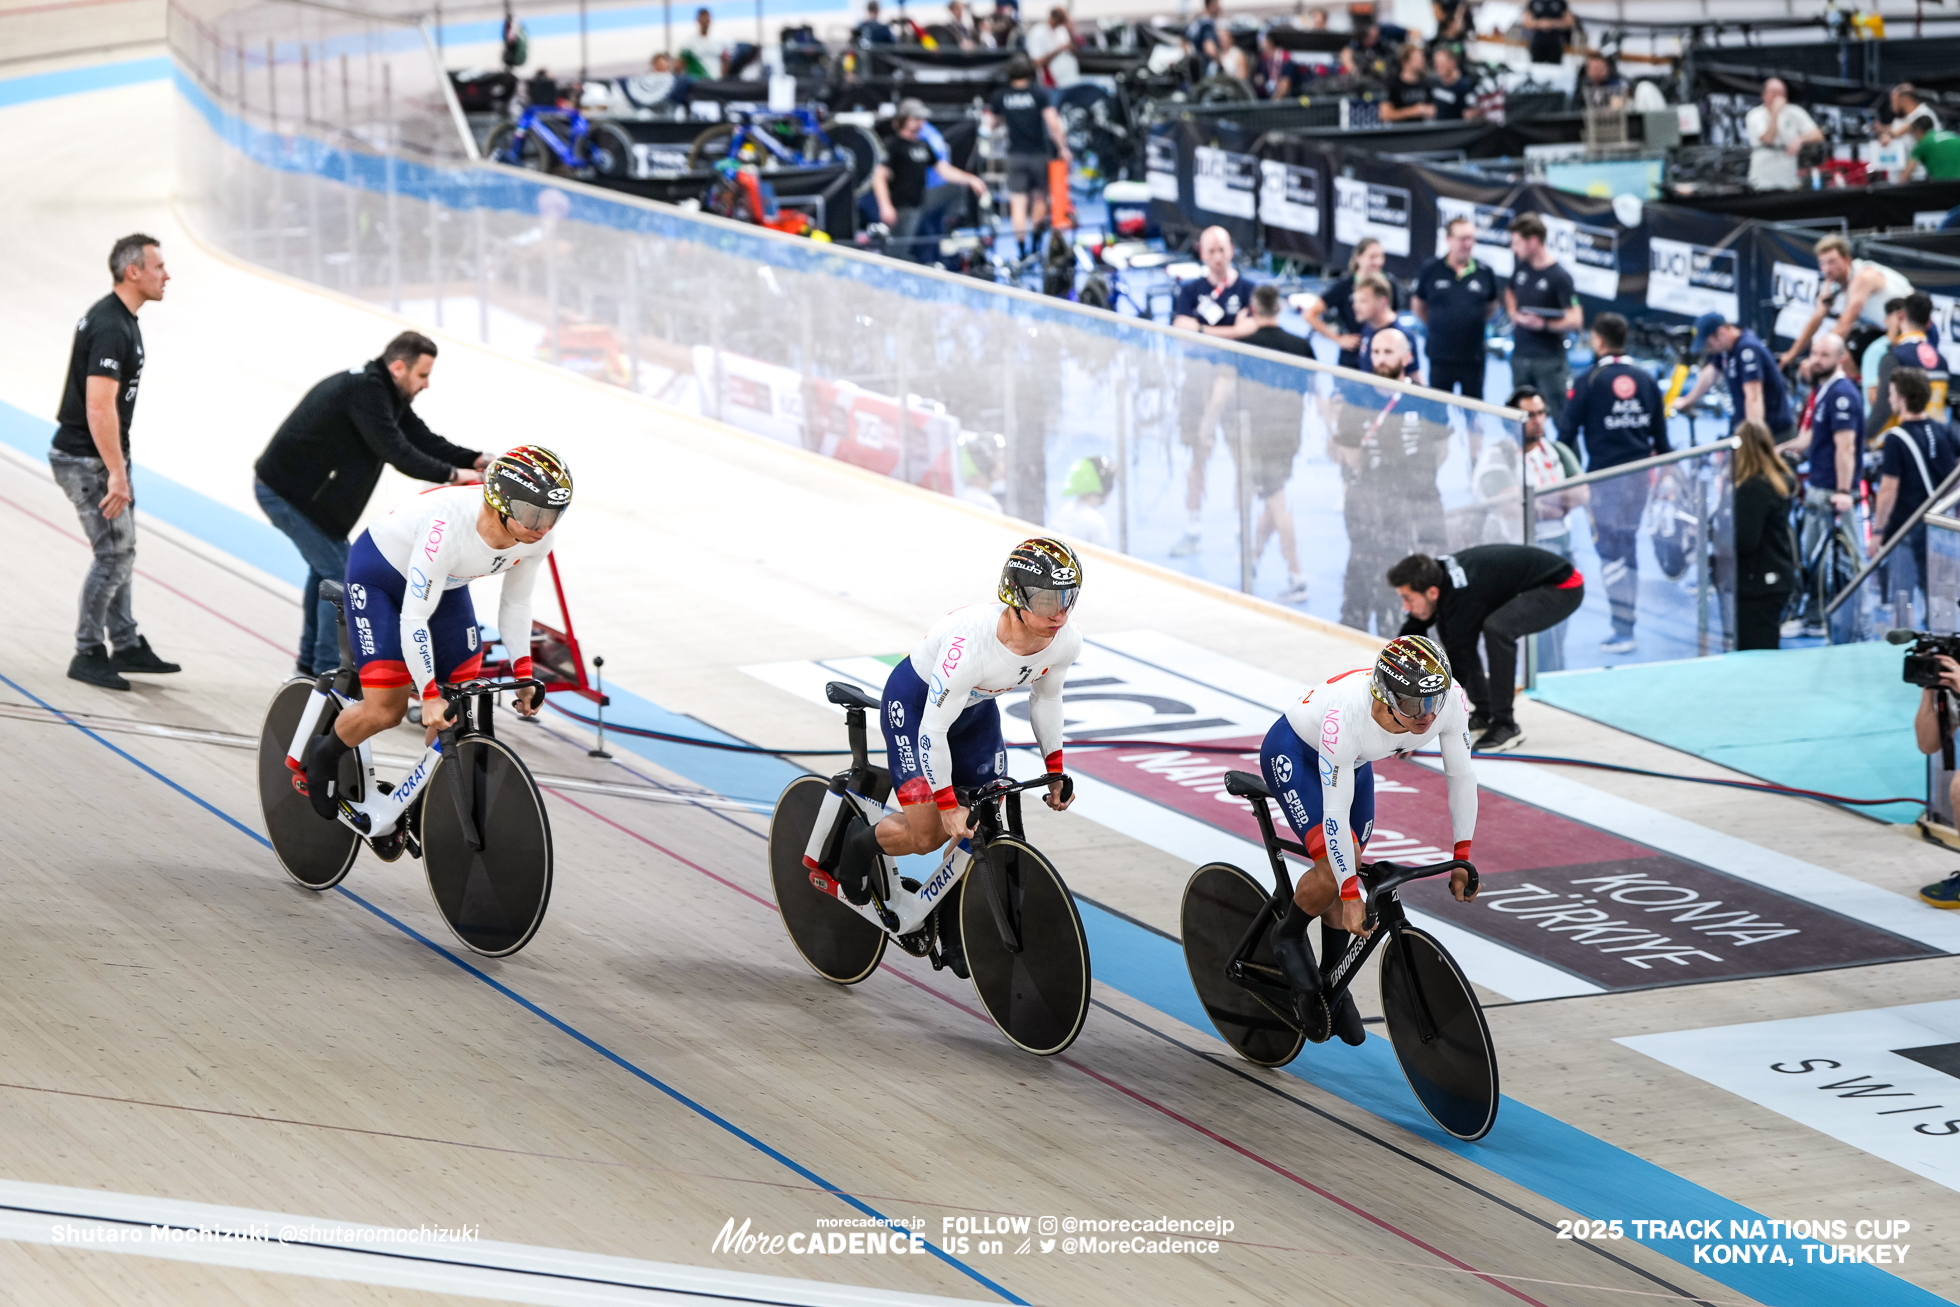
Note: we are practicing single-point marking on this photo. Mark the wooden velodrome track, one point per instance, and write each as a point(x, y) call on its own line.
point(181, 1025)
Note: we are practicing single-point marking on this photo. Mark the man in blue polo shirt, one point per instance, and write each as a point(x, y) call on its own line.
point(1455, 296)
point(1617, 413)
point(1837, 423)
point(1216, 304)
point(1752, 374)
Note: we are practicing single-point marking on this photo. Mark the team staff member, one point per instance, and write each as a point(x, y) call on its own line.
point(1028, 112)
point(1409, 99)
point(1837, 423)
point(1337, 302)
point(1617, 413)
point(1454, 93)
point(1455, 296)
point(908, 199)
point(1216, 304)
point(1501, 593)
point(1550, 23)
point(1544, 306)
point(1757, 392)
point(320, 467)
point(1918, 456)
point(90, 461)
point(1911, 347)
point(1856, 290)
point(1275, 441)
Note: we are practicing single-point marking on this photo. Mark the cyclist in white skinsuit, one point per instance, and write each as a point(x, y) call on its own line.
point(1317, 760)
point(942, 714)
point(409, 617)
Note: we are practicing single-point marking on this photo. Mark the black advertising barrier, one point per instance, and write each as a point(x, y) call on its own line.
point(1168, 160)
point(1863, 208)
point(1294, 184)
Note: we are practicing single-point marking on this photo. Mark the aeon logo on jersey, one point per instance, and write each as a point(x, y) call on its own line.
point(1330, 730)
point(1283, 768)
point(434, 542)
point(954, 652)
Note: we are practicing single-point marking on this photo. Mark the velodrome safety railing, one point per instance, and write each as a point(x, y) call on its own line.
point(324, 143)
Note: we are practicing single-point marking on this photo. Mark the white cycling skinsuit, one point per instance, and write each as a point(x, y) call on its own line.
point(1335, 721)
point(433, 542)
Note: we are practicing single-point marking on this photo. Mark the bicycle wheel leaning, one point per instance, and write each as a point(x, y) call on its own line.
point(1220, 905)
point(1031, 970)
point(492, 896)
point(1837, 563)
point(853, 145)
point(317, 854)
point(838, 944)
point(529, 152)
point(1437, 1027)
point(608, 150)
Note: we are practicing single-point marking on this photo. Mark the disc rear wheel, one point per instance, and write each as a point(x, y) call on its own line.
point(316, 853)
point(1220, 904)
point(838, 944)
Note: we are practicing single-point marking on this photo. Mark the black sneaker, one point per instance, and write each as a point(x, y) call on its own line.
point(952, 952)
point(142, 658)
point(1499, 738)
point(1479, 723)
point(92, 667)
point(322, 770)
point(1347, 1022)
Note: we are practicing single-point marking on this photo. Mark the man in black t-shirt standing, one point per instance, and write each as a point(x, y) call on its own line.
point(1274, 440)
point(1028, 112)
point(1455, 296)
point(1454, 93)
point(912, 209)
point(90, 460)
point(1550, 25)
point(1544, 307)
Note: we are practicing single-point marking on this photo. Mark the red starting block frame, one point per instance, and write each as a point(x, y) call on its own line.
point(555, 655)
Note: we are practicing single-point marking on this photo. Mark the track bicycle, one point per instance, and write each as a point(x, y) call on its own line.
point(485, 840)
point(798, 139)
point(548, 139)
point(1434, 1020)
point(1026, 951)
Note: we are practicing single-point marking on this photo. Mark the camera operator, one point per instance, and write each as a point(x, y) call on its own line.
point(1938, 678)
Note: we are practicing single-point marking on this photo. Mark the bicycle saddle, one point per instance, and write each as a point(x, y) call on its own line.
point(846, 695)
point(1245, 785)
point(332, 591)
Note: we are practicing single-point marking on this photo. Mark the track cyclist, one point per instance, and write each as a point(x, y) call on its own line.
point(1338, 730)
point(942, 715)
point(409, 616)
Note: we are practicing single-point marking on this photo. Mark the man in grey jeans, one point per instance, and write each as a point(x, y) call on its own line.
point(90, 459)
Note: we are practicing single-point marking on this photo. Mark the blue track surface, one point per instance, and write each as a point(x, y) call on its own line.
point(1785, 715)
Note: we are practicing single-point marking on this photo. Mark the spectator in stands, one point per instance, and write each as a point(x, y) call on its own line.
point(1856, 290)
point(1777, 132)
point(1935, 151)
point(704, 55)
point(908, 202)
point(1337, 300)
point(1455, 296)
point(1027, 111)
point(1738, 357)
point(1206, 37)
point(1549, 23)
point(1083, 494)
point(1051, 45)
point(1408, 91)
point(1546, 463)
point(1617, 414)
point(1454, 92)
point(1907, 108)
point(1910, 347)
point(1274, 441)
point(1389, 446)
point(1276, 78)
point(542, 89)
point(874, 30)
point(1453, 21)
point(961, 25)
point(1371, 51)
point(1543, 306)
point(1765, 554)
point(1216, 304)
point(1600, 86)
point(1918, 456)
point(1873, 357)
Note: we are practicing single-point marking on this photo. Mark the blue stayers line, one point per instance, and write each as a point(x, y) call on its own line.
point(525, 1003)
point(74, 81)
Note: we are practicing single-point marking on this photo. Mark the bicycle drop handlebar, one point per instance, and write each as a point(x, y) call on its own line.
point(487, 685)
point(1383, 877)
point(992, 790)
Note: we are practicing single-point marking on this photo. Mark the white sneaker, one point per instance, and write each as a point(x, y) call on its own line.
point(1187, 545)
point(1619, 645)
point(1295, 593)
point(1791, 629)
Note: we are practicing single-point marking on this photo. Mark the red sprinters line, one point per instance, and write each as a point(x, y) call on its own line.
point(196, 603)
point(1100, 1078)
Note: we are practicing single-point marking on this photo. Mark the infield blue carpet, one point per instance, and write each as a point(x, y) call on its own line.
point(1837, 719)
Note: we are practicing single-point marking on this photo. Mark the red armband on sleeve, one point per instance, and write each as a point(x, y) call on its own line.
point(1463, 850)
point(945, 799)
point(1054, 760)
point(433, 692)
point(1351, 888)
point(521, 667)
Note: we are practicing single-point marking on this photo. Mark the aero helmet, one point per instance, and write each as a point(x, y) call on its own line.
point(529, 485)
point(1411, 676)
point(1042, 576)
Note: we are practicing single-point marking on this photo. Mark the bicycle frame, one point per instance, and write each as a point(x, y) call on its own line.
point(533, 121)
point(377, 811)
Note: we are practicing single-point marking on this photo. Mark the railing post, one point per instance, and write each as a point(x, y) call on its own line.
point(394, 205)
point(1530, 534)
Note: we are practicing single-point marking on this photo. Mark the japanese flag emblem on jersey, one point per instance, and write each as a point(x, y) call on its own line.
point(1928, 356)
point(1623, 386)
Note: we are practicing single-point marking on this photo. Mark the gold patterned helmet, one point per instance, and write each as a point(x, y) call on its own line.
point(529, 485)
point(1041, 576)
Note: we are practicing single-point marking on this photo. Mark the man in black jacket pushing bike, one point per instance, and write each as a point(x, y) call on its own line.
point(1501, 593)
